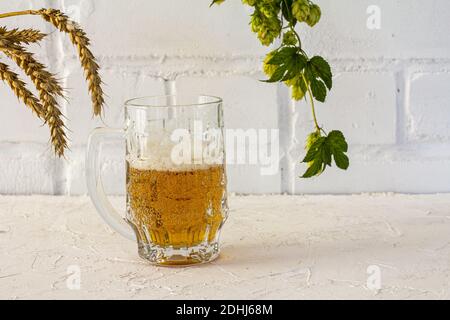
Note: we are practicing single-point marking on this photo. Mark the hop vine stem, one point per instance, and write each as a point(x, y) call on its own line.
point(313, 107)
point(311, 97)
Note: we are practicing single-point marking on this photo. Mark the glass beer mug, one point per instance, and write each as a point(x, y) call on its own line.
point(175, 178)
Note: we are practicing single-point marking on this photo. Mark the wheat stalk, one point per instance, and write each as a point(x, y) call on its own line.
point(25, 36)
point(43, 79)
point(81, 41)
point(21, 91)
point(47, 86)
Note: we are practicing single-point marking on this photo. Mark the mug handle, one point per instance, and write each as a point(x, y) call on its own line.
point(95, 185)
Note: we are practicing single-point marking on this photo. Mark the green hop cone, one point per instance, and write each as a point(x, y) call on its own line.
point(297, 84)
point(298, 93)
point(251, 3)
point(269, 31)
point(265, 22)
point(310, 141)
point(314, 15)
point(312, 138)
point(256, 23)
point(289, 38)
point(268, 11)
point(301, 10)
point(269, 69)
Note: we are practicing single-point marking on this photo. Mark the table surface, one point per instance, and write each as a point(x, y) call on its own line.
point(273, 247)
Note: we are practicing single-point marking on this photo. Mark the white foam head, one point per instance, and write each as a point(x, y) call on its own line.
point(174, 151)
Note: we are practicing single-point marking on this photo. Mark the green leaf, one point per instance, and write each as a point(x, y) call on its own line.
point(322, 150)
point(314, 150)
point(283, 55)
point(319, 90)
point(337, 141)
point(309, 72)
point(341, 160)
point(290, 64)
point(295, 67)
point(321, 69)
point(277, 75)
point(325, 153)
point(315, 155)
point(216, 2)
point(287, 10)
point(314, 169)
point(338, 147)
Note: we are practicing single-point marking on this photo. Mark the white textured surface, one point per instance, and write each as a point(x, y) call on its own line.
point(390, 96)
point(273, 247)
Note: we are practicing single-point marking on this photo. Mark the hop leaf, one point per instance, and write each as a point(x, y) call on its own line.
point(216, 2)
point(288, 62)
point(322, 70)
point(319, 90)
point(321, 150)
point(319, 76)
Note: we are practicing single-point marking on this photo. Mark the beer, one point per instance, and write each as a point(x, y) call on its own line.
point(176, 208)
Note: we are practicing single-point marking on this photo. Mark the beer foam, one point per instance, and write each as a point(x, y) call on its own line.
point(160, 165)
point(161, 155)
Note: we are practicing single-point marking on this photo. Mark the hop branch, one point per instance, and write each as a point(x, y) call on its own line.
point(309, 78)
point(46, 106)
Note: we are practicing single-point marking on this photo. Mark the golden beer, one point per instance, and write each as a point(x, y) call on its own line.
point(177, 208)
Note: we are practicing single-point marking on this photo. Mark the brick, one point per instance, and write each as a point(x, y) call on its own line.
point(120, 85)
point(192, 28)
point(29, 168)
point(383, 169)
point(240, 94)
point(174, 27)
point(213, 51)
point(343, 32)
point(429, 110)
point(248, 104)
point(24, 21)
point(362, 105)
point(18, 123)
point(112, 166)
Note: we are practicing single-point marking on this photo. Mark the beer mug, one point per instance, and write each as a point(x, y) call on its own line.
point(175, 178)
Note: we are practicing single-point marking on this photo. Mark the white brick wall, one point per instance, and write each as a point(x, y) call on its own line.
point(391, 94)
